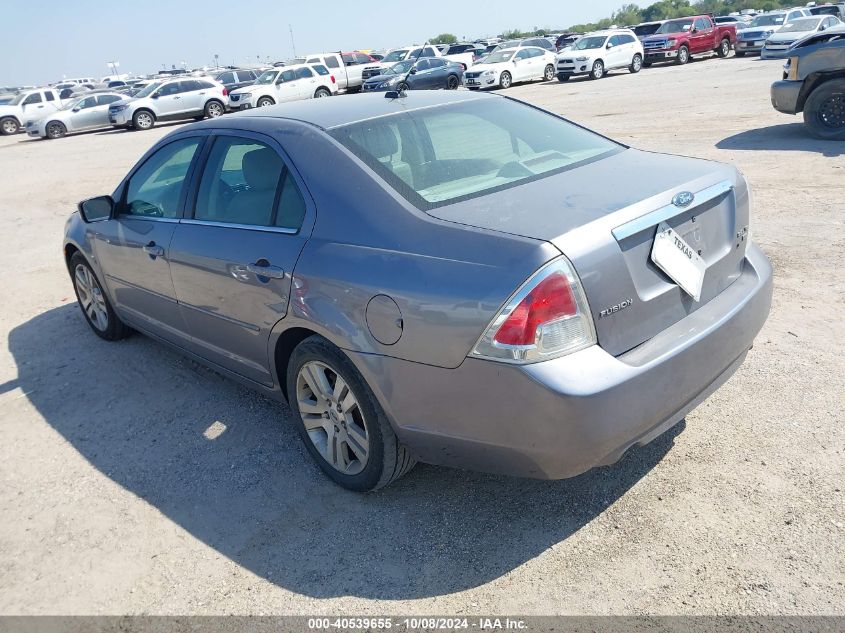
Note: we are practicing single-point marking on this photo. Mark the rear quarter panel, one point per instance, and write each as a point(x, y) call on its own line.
point(448, 279)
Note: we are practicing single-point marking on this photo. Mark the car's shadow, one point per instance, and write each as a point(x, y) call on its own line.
point(227, 466)
point(784, 137)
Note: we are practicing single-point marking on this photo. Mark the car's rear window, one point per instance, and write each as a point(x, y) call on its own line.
point(440, 155)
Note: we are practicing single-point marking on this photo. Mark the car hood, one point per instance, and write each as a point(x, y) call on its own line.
point(791, 36)
point(7, 109)
point(251, 88)
point(377, 79)
point(482, 66)
point(660, 37)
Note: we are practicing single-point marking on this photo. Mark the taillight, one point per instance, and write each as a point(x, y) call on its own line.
point(225, 92)
point(333, 79)
point(546, 318)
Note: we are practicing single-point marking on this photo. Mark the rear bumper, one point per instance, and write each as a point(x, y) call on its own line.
point(560, 418)
point(785, 96)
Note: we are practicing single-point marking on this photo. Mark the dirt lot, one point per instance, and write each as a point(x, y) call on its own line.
point(114, 499)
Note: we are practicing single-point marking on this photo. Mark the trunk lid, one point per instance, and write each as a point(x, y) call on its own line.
point(604, 216)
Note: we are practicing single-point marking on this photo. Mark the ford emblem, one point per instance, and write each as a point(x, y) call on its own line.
point(683, 199)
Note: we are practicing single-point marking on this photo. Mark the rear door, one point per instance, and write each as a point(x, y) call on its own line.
point(233, 257)
point(133, 248)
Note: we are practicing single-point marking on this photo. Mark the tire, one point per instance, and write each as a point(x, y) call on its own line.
point(143, 120)
point(597, 71)
point(724, 48)
point(452, 82)
point(321, 93)
point(563, 78)
point(549, 73)
point(636, 64)
point(9, 126)
point(335, 432)
point(214, 109)
point(403, 87)
point(263, 102)
point(739, 53)
point(93, 302)
point(824, 111)
point(683, 56)
point(505, 80)
point(56, 129)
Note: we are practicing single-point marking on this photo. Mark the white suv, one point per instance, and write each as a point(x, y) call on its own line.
point(287, 83)
point(596, 53)
point(170, 100)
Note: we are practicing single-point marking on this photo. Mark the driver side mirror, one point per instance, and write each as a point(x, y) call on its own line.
point(155, 95)
point(413, 71)
point(609, 45)
point(96, 209)
point(695, 30)
point(76, 109)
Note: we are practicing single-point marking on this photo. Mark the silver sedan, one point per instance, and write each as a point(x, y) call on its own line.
point(79, 115)
point(447, 277)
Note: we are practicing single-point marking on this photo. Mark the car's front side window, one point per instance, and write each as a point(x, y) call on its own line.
point(155, 188)
point(241, 185)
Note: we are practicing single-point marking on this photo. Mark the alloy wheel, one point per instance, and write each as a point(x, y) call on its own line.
point(55, 130)
point(214, 110)
point(333, 418)
point(144, 121)
point(9, 127)
point(91, 297)
point(832, 112)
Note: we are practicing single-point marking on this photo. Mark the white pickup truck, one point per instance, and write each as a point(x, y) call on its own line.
point(28, 105)
point(347, 68)
point(411, 52)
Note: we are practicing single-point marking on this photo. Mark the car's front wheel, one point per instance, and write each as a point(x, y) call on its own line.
point(505, 80)
point(56, 129)
point(824, 111)
point(93, 301)
point(143, 120)
point(9, 126)
point(597, 71)
point(636, 64)
point(549, 73)
point(340, 421)
point(683, 55)
point(263, 102)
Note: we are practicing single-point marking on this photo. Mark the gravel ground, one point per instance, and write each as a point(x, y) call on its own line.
point(119, 494)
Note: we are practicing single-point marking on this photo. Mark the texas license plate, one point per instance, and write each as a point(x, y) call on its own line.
point(471, 82)
point(678, 260)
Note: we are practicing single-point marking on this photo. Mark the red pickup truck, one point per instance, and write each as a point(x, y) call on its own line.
point(677, 40)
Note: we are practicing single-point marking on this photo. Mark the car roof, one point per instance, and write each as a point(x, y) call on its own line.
point(331, 113)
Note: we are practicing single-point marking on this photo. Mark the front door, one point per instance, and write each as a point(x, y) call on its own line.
point(287, 86)
point(169, 100)
point(703, 36)
point(232, 259)
point(133, 249)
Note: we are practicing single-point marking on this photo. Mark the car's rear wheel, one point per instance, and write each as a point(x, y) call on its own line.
point(549, 73)
point(214, 109)
point(636, 64)
point(93, 302)
point(9, 126)
point(505, 80)
point(322, 93)
point(263, 102)
point(56, 129)
point(724, 48)
point(143, 120)
point(683, 55)
point(340, 421)
point(597, 71)
point(824, 111)
point(452, 82)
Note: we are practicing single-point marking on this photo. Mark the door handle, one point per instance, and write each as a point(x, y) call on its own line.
point(263, 268)
point(153, 250)
point(177, 97)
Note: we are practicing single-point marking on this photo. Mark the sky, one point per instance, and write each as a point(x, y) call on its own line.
point(79, 38)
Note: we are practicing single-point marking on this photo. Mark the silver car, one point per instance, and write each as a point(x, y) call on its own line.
point(444, 277)
point(79, 115)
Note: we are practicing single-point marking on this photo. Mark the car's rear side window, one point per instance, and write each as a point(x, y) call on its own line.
point(435, 156)
point(246, 182)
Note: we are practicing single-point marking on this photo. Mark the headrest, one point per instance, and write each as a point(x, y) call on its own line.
point(380, 141)
point(262, 168)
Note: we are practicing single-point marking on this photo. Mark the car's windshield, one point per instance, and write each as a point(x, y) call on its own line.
point(593, 41)
point(435, 156)
point(70, 105)
point(804, 24)
point(498, 57)
point(675, 26)
point(767, 20)
point(400, 68)
point(17, 99)
point(148, 90)
point(395, 56)
point(267, 77)
point(645, 29)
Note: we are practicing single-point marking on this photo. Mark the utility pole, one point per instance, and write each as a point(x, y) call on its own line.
point(292, 45)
